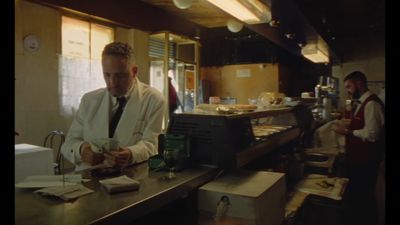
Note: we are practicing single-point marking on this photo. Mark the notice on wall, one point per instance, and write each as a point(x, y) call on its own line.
point(243, 73)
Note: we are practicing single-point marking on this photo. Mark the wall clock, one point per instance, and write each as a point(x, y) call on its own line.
point(31, 43)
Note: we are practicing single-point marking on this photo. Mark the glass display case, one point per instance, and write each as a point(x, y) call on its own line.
point(233, 140)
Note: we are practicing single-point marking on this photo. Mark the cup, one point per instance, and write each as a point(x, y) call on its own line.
point(171, 158)
point(214, 100)
point(305, 94)
point(252, 101)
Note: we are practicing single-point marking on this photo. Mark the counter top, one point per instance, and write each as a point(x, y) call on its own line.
point(101, 207)
point(253, 114)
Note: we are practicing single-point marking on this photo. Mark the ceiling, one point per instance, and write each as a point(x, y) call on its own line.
point(201, 12)
point(336, 18)
point(333, 20)
point(345, 18)
point(291, 22)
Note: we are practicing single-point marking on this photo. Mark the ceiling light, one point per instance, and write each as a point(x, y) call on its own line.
point(274, 23)
point(314, 54)
point(316, 50)
point(248, 11)
point(234, 26)
point(290, 36)
point(301, 44)
point(183, 4)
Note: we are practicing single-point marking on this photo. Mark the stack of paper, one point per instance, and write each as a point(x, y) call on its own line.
point(321, 185)
point(119, 184)
point(66, 193)
point(41, 181)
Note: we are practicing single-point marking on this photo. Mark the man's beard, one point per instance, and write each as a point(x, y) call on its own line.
point(356, 94)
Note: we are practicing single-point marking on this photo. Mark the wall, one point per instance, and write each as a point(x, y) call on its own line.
point(366, 54)
point(37, 102)
point(139, 40)
point(225, 82)
point(36, 84)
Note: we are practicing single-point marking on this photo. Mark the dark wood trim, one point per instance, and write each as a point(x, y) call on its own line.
point(128, 13)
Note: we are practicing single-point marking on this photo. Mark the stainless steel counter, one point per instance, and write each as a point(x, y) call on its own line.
point(103, 208)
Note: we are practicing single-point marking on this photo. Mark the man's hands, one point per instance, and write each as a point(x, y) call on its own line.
point(341, 128)
point(120, 158)
point(90, 157)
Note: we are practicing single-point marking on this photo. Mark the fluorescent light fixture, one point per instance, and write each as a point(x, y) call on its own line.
point(316, 52)
point(248, 11)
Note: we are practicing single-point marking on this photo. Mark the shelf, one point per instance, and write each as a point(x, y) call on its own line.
point(249, 154)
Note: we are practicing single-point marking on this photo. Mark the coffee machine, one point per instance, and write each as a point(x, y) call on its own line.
point(327, 92)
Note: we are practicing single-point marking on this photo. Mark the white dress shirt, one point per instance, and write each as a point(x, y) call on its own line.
point(114, 101)
point(374, 120)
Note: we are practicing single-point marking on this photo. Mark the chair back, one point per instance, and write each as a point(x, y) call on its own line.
point(51, 142)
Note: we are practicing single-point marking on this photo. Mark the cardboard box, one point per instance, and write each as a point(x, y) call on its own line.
point(246, 197)
point(32, 160)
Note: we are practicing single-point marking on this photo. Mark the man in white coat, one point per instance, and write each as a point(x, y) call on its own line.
point(139, 124)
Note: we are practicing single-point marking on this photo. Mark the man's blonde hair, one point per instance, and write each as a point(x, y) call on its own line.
point(120, 49)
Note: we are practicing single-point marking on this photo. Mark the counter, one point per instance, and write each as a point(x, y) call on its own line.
point(155, 192)
point(102, 208)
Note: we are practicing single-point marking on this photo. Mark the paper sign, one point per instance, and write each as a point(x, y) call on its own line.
point(243, 73)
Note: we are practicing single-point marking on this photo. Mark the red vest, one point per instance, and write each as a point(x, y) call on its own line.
point(359, 152)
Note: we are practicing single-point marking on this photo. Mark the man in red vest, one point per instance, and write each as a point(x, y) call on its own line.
point(364, 148)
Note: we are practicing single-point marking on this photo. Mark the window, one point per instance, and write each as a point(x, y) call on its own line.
point(80, 62)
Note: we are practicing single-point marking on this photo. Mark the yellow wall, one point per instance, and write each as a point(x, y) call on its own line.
point(36, 84)
point(225, 82)
point(37, 100)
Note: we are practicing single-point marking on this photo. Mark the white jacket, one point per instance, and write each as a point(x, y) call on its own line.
point(138, 128)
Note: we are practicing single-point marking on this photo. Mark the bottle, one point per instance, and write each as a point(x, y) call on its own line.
point(326, 112)
point(317, 90)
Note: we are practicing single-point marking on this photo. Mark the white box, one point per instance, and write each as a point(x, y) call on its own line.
point(32, 160)
point(255, 198)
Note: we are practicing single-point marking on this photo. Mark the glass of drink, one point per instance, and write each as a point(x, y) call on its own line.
point(171, 157)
